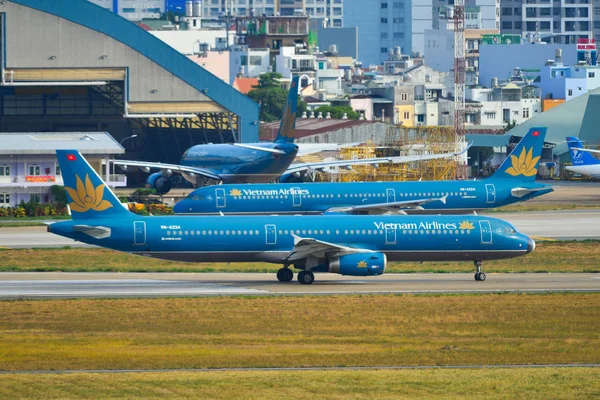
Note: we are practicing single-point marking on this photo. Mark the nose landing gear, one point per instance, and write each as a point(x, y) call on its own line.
point(479, 276)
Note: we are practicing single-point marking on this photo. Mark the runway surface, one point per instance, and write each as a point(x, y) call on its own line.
point(109, 285)
point(558, 225)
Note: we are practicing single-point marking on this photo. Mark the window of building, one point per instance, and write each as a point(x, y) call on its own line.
point(255, 60)
point(384, 35)
point(384, 5)
point(398, 20)
point(518, 25)
point(545, 26)
point(591, 74)
point(34, 170)
point(4, 170)
point(398, 35)
point(526, 113)
point(490, 114)
point(384, 49)
point(4, 199)
point(556, 11)
point(404, 96)
point(384, 20)
point(420, 117)
point(531, 26)
point(507, 25)
point(507, 11)
point(570, 93)
point(545, 11)
point(34, 198)
point(406, 115)
point(518, 11)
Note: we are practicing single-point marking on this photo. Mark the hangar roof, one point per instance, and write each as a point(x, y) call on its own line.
point(49, 142)
point(153, 54)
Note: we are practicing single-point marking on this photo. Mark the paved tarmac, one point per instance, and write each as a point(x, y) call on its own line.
point(559, 225)
point(107, 285)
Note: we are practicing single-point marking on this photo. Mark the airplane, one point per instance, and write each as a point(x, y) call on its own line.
point(513, 182)
point(357, 245)
point(583, 162)
point(255, 162)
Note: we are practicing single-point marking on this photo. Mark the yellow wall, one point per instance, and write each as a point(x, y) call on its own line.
point(406, 108)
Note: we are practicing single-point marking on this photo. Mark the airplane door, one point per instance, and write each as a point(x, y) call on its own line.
point(391, 196)
point(220, 194)
point(271, 234)
point(490, 193)
point(296, 197)
point(139, 232)
point(486, 232)
point(390, 236)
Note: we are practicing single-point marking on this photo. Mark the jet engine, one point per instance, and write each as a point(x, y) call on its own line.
point(360, 264)
point(160, 182)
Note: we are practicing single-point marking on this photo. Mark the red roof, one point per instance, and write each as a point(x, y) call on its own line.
point(244, 85)
point(144, 26)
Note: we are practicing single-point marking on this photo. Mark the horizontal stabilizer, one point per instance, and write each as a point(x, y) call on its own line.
point(265, 149)
point(521, 192)
point(97, 232)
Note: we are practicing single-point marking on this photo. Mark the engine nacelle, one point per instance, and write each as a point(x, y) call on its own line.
point(160, 182)
point(360, 264)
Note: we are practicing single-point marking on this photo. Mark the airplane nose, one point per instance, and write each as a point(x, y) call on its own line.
point(179, 207)
point(530, 245)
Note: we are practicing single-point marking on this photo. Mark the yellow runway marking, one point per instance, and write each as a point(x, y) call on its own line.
point(543, 239)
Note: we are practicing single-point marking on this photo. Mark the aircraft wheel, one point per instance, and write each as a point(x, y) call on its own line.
point(285, 275)
point(482, 276)
point(306, 277)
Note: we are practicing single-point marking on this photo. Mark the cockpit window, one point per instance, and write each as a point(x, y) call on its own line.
point(510, 230)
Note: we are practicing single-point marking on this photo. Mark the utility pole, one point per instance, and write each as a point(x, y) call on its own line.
point(459, 75)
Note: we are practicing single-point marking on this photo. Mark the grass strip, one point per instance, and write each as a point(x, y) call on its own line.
point(358, 330)
point(548, 257)
point(546, 383)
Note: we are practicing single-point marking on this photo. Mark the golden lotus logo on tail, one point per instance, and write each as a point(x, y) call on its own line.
point(235, 192)
point(361, 264)
point(87, 197)
point(466, 225)
point(524, 164)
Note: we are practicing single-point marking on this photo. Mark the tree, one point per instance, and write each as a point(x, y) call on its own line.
point(510, 125)
point(59, 193)
point(272, 97)
point(337, 112)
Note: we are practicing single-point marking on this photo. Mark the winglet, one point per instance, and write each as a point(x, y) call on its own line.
point(287, 128)
point(522, 163)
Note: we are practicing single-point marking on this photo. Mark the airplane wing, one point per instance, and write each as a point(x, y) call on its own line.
point(98, 232)
point(311, 148)
point(395, 207)
point(308, 247)
point(588, 150)
point(249, 146)
point(147, 166)
point(297, 169)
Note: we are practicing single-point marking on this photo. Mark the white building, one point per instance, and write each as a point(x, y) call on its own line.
point(559, 81)
point(505, 104)
point(328, 80)
point(295, 61)
point(134, 10)
point(28, 164)
point(194, 41)
point(247, 62)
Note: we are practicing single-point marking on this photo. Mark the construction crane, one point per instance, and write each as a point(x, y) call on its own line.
point(459, 77)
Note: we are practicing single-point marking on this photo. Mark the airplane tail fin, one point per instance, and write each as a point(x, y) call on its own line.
point(88, 195)
point(522, 163)
point(579, 157)
point(287, 129)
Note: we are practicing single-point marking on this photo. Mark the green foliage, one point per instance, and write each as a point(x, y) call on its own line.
point(32, 209)
point(337, 112)
point(272, 97)
point(510, 126)
point(59, 193)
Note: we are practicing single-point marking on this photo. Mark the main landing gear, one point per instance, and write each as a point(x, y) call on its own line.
point(306, 277)
point(285, 275)
point(479, 276)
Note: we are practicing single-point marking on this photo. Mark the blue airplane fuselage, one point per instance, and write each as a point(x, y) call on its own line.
point(254, 238)
point(316, 198)
point(241, 164)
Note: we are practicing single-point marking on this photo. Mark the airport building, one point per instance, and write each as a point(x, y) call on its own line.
point(28, 164)
point(70, 65)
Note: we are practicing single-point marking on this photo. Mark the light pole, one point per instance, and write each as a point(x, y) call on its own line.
point(125, 138)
